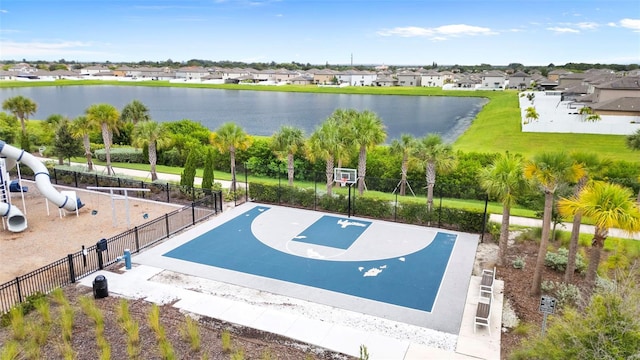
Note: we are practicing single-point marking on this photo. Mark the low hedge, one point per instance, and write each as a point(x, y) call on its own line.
point(123, 154)
point(410, 213)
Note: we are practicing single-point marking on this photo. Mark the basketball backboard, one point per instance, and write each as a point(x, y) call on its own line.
point(345, 175)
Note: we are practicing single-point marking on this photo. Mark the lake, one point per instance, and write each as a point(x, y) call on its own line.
point(261, 112)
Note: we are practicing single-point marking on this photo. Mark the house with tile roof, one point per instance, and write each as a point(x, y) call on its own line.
point(356, 77)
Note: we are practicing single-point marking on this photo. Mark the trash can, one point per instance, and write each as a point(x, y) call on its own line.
point(100, 287)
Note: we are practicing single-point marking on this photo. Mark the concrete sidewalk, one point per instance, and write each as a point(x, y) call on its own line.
point(530, 222)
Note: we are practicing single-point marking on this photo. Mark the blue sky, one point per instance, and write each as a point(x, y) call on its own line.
point(393, 32)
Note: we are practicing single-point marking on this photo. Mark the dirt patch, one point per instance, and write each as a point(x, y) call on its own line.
point(50, 237)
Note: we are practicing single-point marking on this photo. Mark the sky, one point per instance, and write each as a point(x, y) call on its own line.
point(335, 32)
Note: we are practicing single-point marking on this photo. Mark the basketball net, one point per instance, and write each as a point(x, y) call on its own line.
point(343, 182)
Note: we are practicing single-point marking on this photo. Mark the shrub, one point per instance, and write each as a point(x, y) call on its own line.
point(558, 260)
point(519, 263)
point(565, 294)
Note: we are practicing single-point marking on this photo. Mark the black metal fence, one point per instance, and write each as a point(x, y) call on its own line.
point(106, 252)
point(159, 191)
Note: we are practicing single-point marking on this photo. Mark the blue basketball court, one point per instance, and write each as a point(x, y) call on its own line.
point(406, 273)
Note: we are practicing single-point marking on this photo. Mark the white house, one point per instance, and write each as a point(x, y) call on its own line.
point(356, 78)
point(432, 78)
point(409, 78)
point(492, 80)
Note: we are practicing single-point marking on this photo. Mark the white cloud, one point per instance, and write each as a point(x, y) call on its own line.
point(587, 25)
point(563, 30)
point(633, 24)
point(438, 33)
point(612, 24)
point(3, 11)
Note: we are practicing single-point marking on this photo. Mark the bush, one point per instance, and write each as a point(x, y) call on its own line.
point(558, 260)
point(123, 155)
point(519, 263)
point(565, 294)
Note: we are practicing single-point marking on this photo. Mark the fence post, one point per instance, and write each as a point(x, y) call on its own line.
point(142, 187)
point(75, 177)
point(72, 271)
point(193, 212)
point(484, 218)
point(18, 288)
point(55, 176)
point(315, 190)
point(246, 184)
point(97, 182)
point(168, 192)
point(119, 183)
point(135, 232)
point(166, 219)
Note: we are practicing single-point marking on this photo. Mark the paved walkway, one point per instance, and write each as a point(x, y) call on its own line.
point(530, 222)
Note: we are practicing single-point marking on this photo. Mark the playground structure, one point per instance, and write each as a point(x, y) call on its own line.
point(11, 156)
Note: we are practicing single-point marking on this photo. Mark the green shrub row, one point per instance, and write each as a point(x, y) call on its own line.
point(125, 155)
point(411, 213)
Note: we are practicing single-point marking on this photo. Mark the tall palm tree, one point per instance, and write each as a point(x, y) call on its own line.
point(230, 137)
point(368, 131)
point(343, 119)
point(504, 179)
point(21, 107)
point(81, 127)
point(155, 136)
point(608, 206)
point(549, 171)
point(435, 156)
point(404, 146)
point(106, 117)
point(325, 144)
point(134, 112)
point(592, 165)
point(286, 142)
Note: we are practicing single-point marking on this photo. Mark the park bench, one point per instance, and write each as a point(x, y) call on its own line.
point(483, 313)
point(487, 281)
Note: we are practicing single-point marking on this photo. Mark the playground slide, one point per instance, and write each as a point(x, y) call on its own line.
point(17, 221)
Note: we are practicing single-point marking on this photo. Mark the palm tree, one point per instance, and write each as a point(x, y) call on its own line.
point(531, 114)
point(633, 143)
point(21, 107)
point(368, 131)
point(230, 137)
point(325, 144)
point(344, 120)
point(106, 117)
point(435, 156)
point(286, 142)
point(134, 112)
point(504, 179)
point(549, 171)
point(81, 127)
point(608, 206)
point(404, 147)
point(155, 136)
point(592, 165)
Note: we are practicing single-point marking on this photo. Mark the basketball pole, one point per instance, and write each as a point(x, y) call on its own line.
point(349, 203)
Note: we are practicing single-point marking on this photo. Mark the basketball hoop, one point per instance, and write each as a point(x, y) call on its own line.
point(343, 182)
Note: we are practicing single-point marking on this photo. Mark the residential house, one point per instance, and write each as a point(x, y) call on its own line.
point(554, 75)
point(409, 78)
point(191, 73)
point(385, 81)
point(301, 80)
point(492, 80)
point(324, 76)
point(625, 106)
point(356, 78)
point(519, 80)
point(628, 86)
point(570, 80)
point(285, 76)
point(235, 73)
point(95, 69)
point(432, 78)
